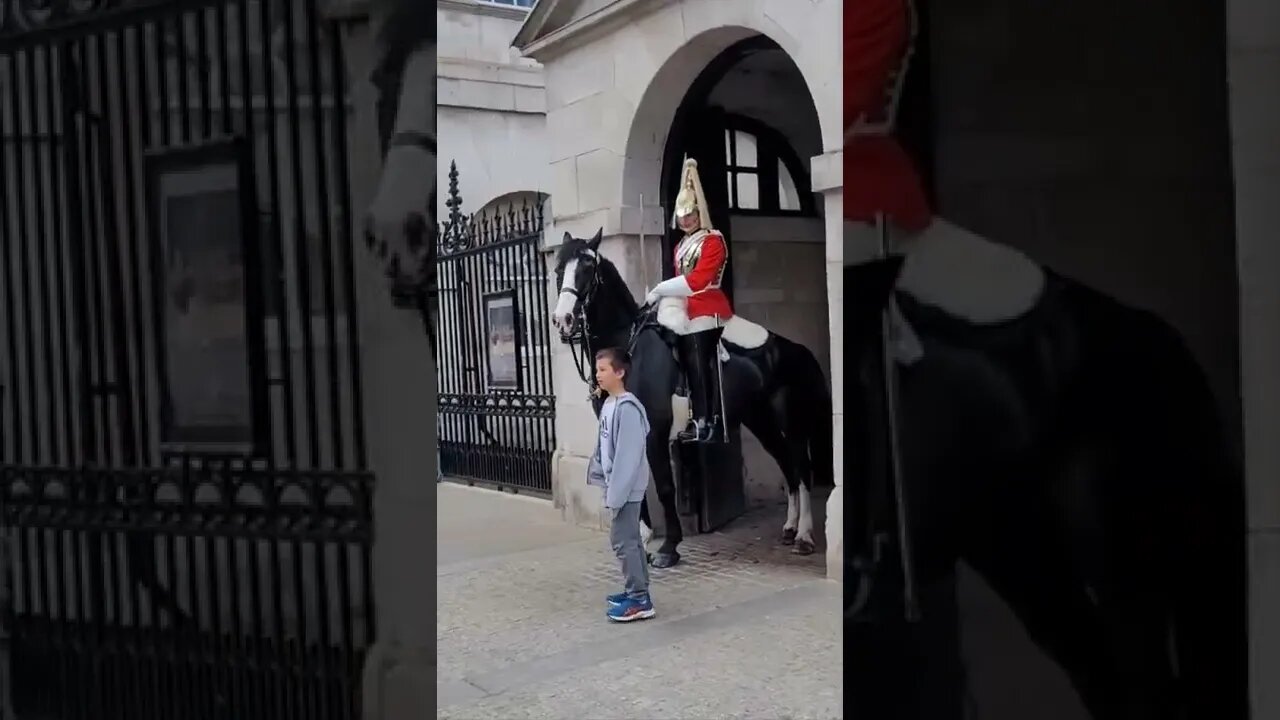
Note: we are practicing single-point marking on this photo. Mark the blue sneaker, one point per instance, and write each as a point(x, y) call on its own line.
point(632, 609)
point(617, 599)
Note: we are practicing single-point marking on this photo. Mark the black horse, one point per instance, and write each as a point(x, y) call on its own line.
point(777, 390)
point(1074, 458)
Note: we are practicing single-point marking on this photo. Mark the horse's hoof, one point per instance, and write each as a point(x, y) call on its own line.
point(665, 560)
point(803, 547)
point(788, 536)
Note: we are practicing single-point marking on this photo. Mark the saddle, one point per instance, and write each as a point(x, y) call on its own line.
point(740, 338)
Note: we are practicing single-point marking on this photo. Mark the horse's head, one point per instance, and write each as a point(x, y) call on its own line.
point(578, 267)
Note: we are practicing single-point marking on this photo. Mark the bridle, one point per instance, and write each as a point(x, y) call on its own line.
point(579, 340)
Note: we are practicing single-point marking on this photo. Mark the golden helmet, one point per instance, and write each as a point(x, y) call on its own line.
point(690, 198)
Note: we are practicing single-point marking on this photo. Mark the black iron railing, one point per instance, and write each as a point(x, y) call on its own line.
point(158, 565)
point(496, 400)
point(211, 591)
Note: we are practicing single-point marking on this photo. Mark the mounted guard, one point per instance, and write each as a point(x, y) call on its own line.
point(694, 306)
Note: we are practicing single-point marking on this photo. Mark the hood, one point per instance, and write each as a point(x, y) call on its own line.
point(627, 398)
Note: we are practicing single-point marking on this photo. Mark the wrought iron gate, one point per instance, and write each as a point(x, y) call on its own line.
point(186, 515)
point(496, 403)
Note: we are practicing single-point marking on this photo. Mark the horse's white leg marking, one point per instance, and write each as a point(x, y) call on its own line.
point(564, 306)
point(793, 511)
point(806, 516)
point(679, 415)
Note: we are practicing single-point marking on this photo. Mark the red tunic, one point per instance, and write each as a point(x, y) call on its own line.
point(706, 300)
point(879, 176)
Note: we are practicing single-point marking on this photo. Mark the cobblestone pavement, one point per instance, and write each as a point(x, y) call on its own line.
point(744, 628)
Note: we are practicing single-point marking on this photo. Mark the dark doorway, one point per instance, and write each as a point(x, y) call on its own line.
point(698, 132)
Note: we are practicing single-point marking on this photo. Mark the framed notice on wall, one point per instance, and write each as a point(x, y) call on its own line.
point(502, 340)
point(207, 289)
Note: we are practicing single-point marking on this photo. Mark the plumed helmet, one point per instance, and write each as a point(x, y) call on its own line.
point(690, 199)
point(879, 42)
point(880, 178)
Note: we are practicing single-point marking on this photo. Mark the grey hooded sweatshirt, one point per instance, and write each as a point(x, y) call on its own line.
point(621, 467)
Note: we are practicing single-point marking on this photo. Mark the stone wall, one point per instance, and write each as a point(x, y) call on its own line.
point(491, 115)
point(1253, 63)
point(612, 93)
point(779, 283)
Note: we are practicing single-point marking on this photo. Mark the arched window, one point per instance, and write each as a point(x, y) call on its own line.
point(765, 175)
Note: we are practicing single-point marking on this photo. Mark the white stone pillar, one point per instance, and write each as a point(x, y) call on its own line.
point(828, 179)
point(579, 503)
point(1253, 48)
point(399, 384)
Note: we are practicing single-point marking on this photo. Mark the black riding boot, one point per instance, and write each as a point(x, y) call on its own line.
point(701, 367)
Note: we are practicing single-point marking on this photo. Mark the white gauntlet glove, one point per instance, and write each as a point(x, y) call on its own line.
point(677, 286)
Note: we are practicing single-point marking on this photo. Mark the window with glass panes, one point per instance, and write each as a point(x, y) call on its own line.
point(763, 173)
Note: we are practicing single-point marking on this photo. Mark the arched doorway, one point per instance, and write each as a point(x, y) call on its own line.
point(749, 120)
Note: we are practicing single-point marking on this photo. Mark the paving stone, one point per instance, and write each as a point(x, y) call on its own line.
point(744, 630)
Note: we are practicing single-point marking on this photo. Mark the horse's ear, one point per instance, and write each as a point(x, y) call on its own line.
point(867, 287)
point(594, 244)
point(567, 238)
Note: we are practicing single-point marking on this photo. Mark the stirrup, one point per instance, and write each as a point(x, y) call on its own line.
point(696, 432)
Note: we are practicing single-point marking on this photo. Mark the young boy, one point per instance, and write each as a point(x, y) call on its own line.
point(620, 466)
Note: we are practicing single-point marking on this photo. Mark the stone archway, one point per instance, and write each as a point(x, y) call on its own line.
point(615, 77)
point(657, 107)
point(695, 104)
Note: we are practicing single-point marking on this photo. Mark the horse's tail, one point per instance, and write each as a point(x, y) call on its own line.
point(1207, 567)
point(813, 383)
point(1210, 612)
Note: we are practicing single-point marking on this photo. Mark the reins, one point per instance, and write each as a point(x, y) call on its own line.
point(581, 353)
point(581, 349)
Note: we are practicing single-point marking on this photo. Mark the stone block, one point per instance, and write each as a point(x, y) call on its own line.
point(589, 71)
point(647, 43)
point(599, 179)
point(1264, 623)
point(564, 188)
point(1253, 25)
point(826, 172)
point(473, 94)
point(530, 100)
point(1255, 108)
point(599, 121)
point(1257, 214)
point(580, 504)
point(835, 317)
point(705, 15)
point(835, 534)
